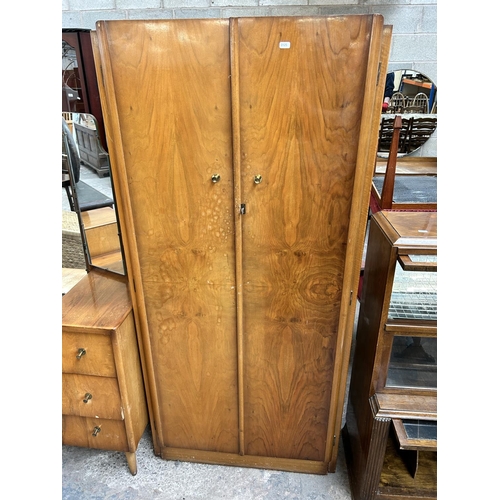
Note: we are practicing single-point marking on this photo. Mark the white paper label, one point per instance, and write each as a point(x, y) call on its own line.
point(284, 45)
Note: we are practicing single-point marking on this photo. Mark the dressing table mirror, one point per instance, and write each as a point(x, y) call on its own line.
point(103, 399)
point(413, 96)
point(89, 189)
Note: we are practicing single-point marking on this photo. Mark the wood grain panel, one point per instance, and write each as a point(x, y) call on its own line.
point(105, 401)
point(298, 85)
point(194, 353)
point(301, 88)
point(130, 381)
point(284, 464)
point(172, 85)
point(97, 360)
point(98, 302)
point(396, 480)
point(173, 96)
point(78, 431)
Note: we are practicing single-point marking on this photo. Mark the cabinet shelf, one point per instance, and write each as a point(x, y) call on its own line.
point(399, 479)
point(410, 327)
point(416, 434)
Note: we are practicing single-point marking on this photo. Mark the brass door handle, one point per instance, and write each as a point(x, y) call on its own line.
point(257, 179)
point(81, 352)
point(97, 429)
point(215, 178)
point(87, 397)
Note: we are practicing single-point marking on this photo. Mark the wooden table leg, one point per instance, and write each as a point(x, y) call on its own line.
point(132, 462)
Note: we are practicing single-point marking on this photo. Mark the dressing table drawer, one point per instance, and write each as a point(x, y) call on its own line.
point(87, 354)
point(99, 433)
point(89, 396)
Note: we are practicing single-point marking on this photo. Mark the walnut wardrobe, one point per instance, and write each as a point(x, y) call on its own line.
point(242, 153)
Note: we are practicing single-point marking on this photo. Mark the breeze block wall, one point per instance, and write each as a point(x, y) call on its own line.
point(414, 37)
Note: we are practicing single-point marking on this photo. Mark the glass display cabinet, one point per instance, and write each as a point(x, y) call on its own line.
point(390, 434)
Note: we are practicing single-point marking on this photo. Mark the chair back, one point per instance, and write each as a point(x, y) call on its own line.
point(385, 137)
point(420, 130)
point(421, 102)
point(397, 103)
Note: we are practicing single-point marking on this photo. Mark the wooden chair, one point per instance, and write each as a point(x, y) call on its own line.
point(420, 130)
point(414, 109)
point(390, 192)
point(417, 191)
point(397, 103)
point(421, 101)
point(390, 173)
point(386, 134)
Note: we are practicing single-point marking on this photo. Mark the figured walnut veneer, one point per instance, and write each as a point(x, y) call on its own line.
point(243, 289)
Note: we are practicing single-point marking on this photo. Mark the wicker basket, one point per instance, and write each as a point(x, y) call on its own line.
point(72, 246)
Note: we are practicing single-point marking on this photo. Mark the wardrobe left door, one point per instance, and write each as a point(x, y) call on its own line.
point(168, 103)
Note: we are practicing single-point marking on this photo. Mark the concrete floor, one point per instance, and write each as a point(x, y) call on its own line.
point(95, 474)
point(89, 474)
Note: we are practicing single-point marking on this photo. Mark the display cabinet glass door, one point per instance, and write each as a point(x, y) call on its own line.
point(413, 301)
point(414, 292)
point(413, 362)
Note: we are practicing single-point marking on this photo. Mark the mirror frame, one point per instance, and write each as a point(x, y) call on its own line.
point(74, 177)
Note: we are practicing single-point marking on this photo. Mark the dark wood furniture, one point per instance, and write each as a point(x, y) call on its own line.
point(386, 134)
point(81, 196)
point(412, 86)
point(103, 399)
point(393, 386)
point(411, 187)
point(84, 78)
point(242, 157)
point(415, 131)
point(92, 154)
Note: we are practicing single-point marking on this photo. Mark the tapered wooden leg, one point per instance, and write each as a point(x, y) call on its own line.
point(132, 462)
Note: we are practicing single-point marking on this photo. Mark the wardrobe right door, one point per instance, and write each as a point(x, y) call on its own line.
point(300, 88)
